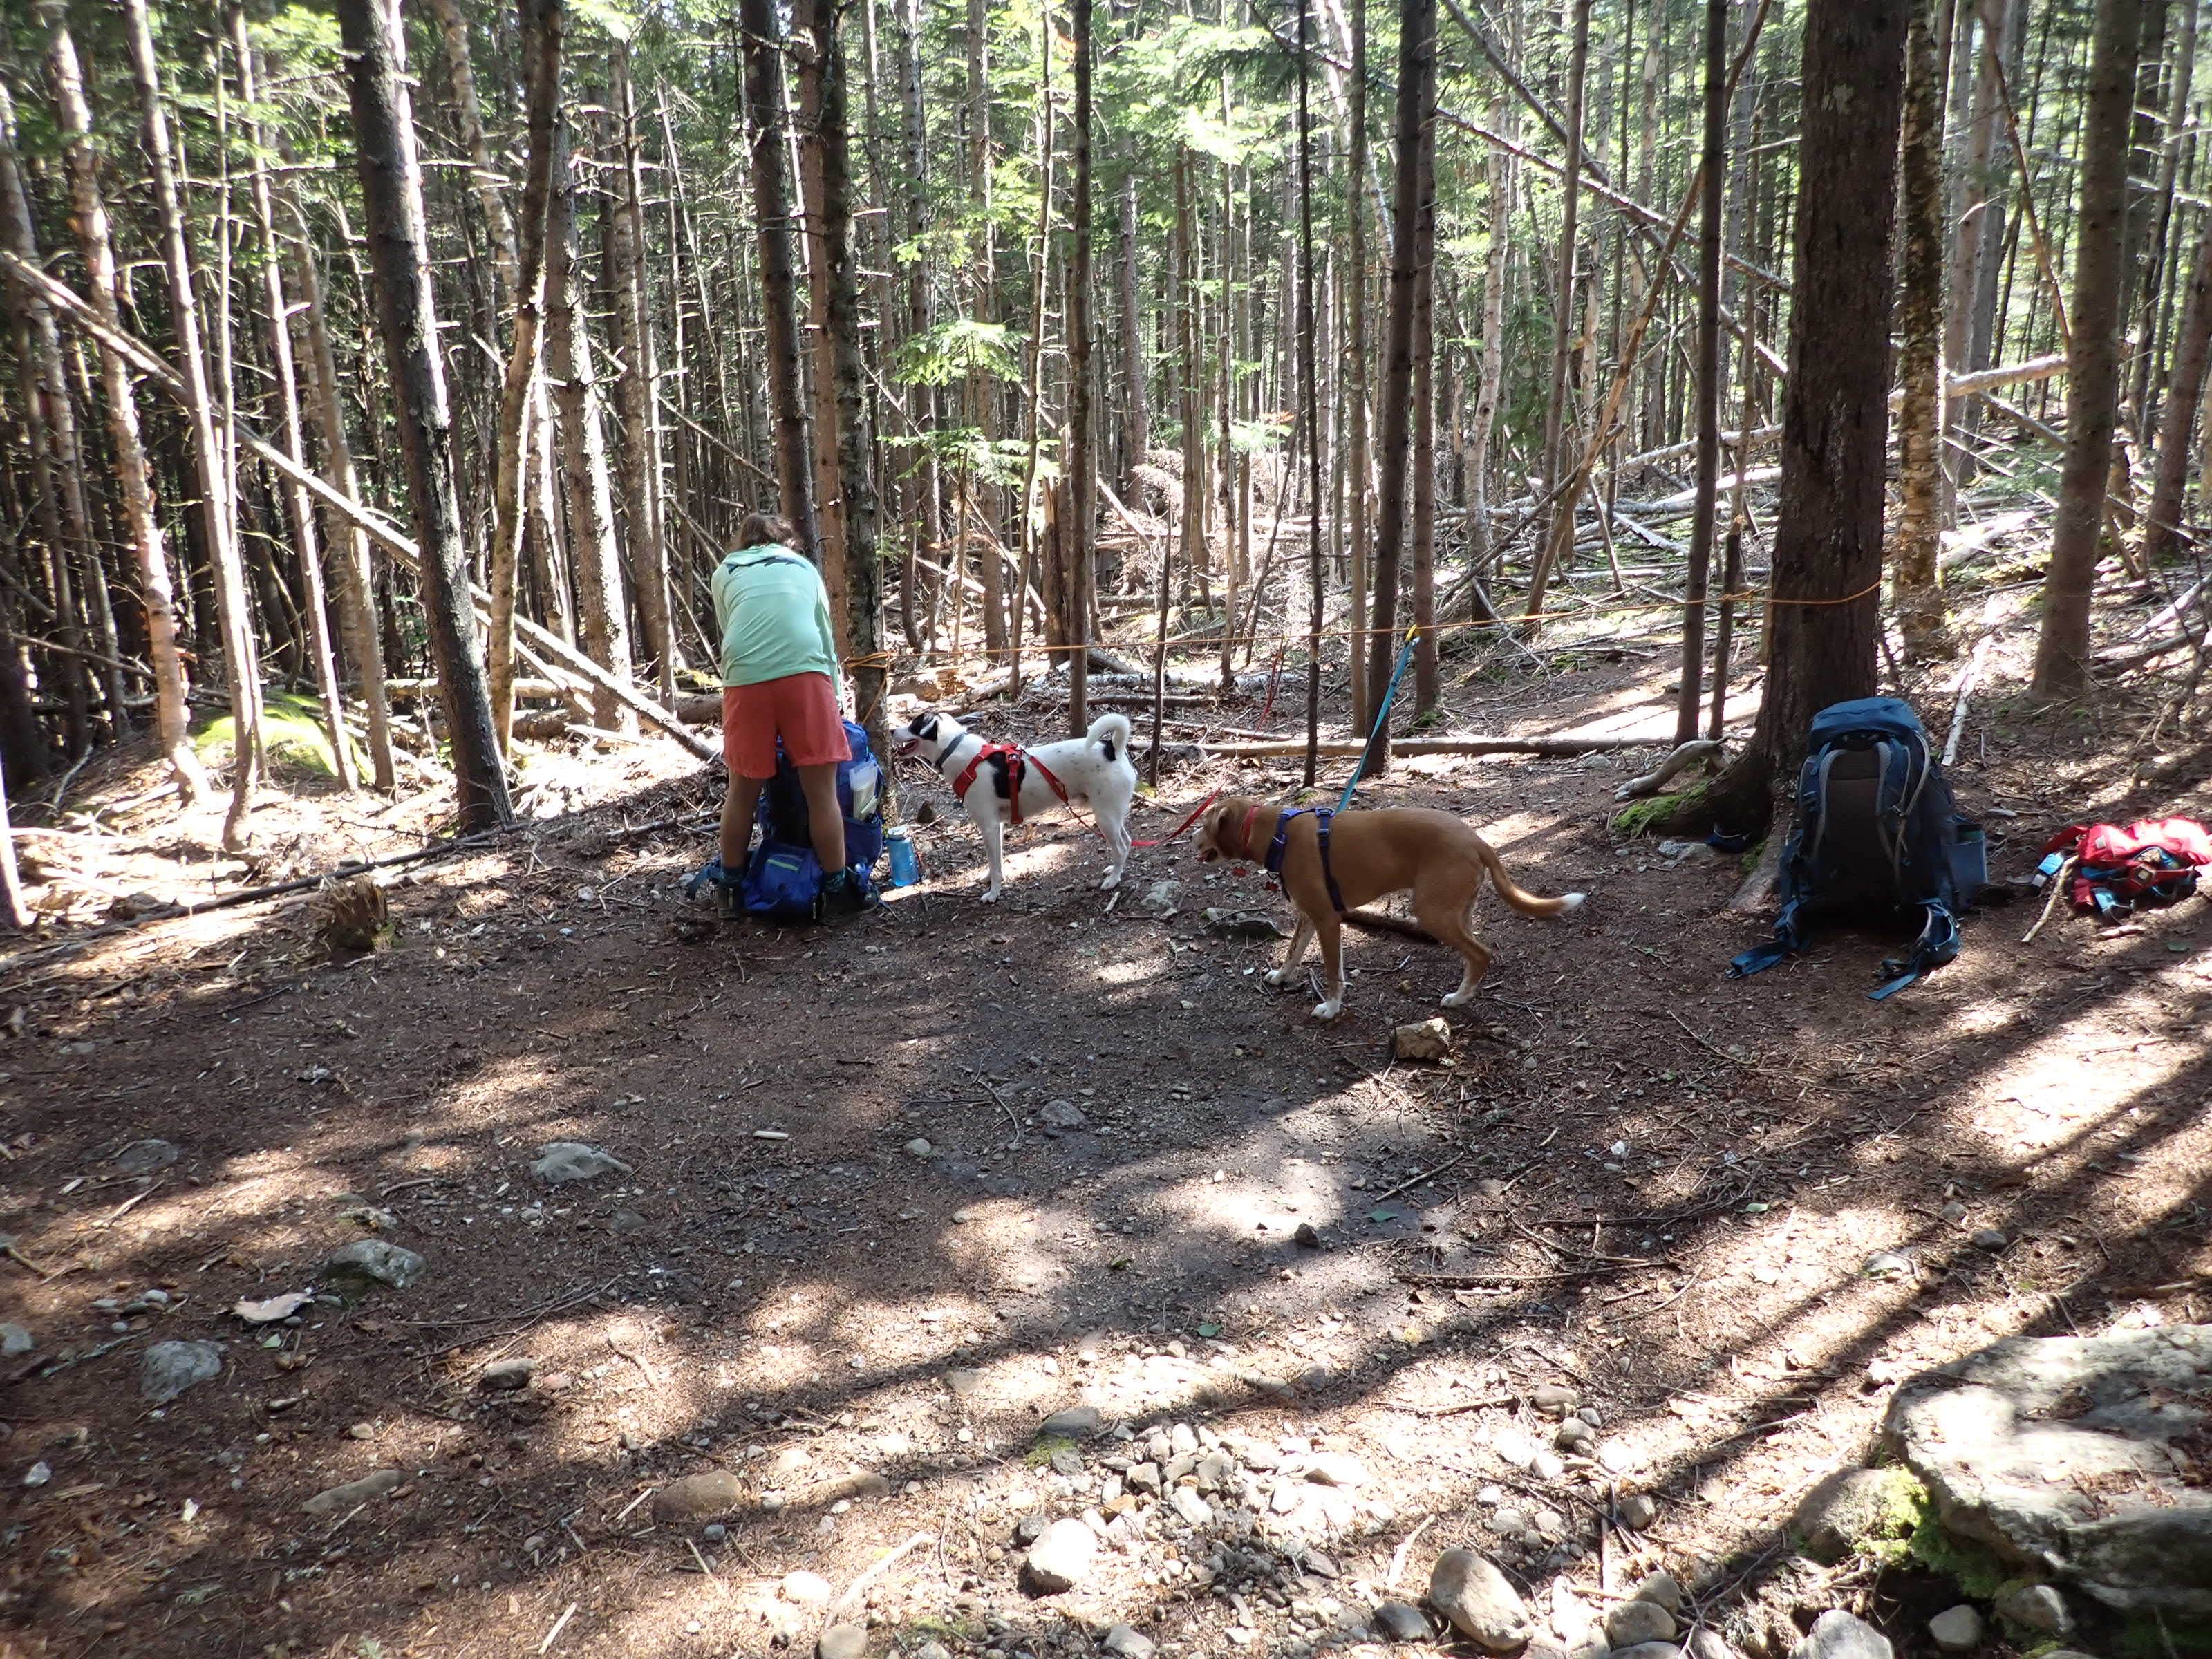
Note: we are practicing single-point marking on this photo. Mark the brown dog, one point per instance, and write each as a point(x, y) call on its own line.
point(1372, 853)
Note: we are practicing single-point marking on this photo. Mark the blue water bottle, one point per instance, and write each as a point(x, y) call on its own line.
point(906, 868)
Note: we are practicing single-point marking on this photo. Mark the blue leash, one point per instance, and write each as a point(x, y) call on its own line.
point(1382, 717)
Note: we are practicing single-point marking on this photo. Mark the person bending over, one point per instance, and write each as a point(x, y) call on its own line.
point(780, 679)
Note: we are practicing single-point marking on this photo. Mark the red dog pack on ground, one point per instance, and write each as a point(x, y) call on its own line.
point(2152, 861)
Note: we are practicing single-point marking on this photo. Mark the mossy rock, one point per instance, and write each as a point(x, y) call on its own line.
point(293, 736)
point(1978, 1573)
point(1876, 1513)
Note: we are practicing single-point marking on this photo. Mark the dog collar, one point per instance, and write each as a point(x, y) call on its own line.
point(946, 753)
point(1251, 818)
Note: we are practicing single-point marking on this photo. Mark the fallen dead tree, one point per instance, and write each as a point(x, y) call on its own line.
point(1410, 747)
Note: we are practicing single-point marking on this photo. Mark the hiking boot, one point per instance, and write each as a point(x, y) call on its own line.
point(845, 895)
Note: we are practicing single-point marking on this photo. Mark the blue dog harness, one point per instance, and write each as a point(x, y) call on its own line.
point(1281, 843)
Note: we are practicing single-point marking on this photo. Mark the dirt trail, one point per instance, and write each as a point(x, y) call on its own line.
point(896, 1192)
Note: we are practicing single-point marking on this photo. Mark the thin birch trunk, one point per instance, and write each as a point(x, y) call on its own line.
point(208, 452)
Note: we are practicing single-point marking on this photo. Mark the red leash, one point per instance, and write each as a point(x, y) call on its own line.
point(1184, 825)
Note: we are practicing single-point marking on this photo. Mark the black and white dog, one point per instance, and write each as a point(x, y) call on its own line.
point(1002, 782)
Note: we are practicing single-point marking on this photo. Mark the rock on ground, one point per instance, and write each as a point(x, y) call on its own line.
point(560, 1161)
point(1060, 1559)
point(2012, 1441)
point(1648, 1651)
point(170, 1368)
point(1956, 1630)
point(1128, 1643)
point(374, 1261)
point(1631, 1624)
point(1481, 1603)
point(1637, 1511)
point(842, 1641)
point(15, 1339)
point(504, 1373)
point(2036, 1608)
point(145, 1157)
point(1430, 1039)
point(1401, 1621)
point(1074, 1422)
point(698, 1497)
point(1840, 1635)
point(807, 1589)
point(339, 1500)
point(1853, 1507)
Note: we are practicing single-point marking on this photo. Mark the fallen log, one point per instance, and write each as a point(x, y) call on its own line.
point(1409, 747)
point(1685, 755)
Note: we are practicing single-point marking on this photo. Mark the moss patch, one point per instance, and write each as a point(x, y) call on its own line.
point(293, 736)
point(1043, 1452)
point(2146, 1638)
point(1659, 814)
point(1978, 1573)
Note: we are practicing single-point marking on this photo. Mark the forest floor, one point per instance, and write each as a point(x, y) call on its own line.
point(897, 1190)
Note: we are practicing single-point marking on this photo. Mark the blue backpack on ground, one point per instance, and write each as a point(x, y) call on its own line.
point(1877, 839)
point(783, 878)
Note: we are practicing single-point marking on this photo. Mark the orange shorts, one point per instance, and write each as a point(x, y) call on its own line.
point(800, 708)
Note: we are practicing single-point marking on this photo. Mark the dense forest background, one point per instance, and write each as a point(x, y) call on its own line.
point(366, 361)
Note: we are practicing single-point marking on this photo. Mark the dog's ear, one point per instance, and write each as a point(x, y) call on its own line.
point(924, 727)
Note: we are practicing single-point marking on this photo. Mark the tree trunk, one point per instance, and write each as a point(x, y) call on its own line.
point(1416, 44)
point(301, 509)
point(602, 622)
point(2184, 395)
point(1565, 274)
point(1713, 174)
point(211, 472)
point(1426, 686)
point(1920, 356)
point(485, 177)
point(88, 217)
point(771, 179)
point(392, 195)
point(925, 520)
point(1079, 522)
point(2149, 335)
point(2062, 652)
point(1139, 438)
point(545, 24)
point(349, 542)
point(829, 498)
point(982, 393)
point(634, 386)
point(1979, 147)
point(1309, 401)
point(864, 594)
point(1827, 528)
point(1360, 601)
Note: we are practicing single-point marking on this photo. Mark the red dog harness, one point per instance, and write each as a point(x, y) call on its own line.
point(1015, 760)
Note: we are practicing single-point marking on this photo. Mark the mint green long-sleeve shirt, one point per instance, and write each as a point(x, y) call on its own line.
point(773, 613)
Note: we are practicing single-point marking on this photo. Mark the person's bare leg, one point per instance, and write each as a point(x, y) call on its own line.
point(825, 818)
point(737, 803)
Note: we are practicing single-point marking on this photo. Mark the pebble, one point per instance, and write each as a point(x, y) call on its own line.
point(804, 1588)
point(340, 1500)
point(170, 1368)
point(507, 1374)
point(2037, 1607)
point(920, 1148)
point(1631, 1623)
point(1071, 1423)
point(1336, 1469)
point(1955, 1212)
point(560, 1161)
point(1991, 1238)
point(362, 1431)
point(1956, 1630)
point(713, 1532)
point(15, 1339)
point(1638, 1511)
point(145, 1157)
point(1553, 1399)
point(1649, 1651)
point(1547, 1465)
point(1574, 1434)
point(697, 1497)
point(1427, 1039)
point(842, 1641)
point(1705, 1642)
point(1661, 1589)
point(1061, 1557)
point(1188, 1505)
point(1840, 1635)
point(1215, 1472)
point(374, 1261)
point(1884, 1264)
point(38, 1473)
point(1401, 1621)
point(1064, 1115)
point(1144, 1478)
point(1128, 1642)
point(1306, 1236)
point(1469, 1590)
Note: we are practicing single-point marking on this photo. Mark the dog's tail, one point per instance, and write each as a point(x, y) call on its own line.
point(1110, 733)
point(1528, 904)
